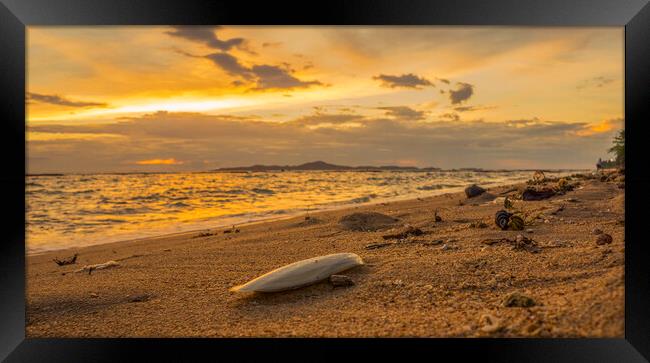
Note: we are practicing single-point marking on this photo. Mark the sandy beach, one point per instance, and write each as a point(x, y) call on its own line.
point(447, 282)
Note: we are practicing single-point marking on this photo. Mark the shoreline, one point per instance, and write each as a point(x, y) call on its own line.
point(178, 286)
point(220, 223)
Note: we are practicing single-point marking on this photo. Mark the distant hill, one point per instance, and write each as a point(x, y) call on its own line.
point(321, 166)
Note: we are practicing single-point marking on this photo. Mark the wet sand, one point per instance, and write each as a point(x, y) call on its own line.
point(177, 286)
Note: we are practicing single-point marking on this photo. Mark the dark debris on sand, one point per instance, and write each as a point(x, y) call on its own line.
point(518, 300)
point(520, 243)
point(408, 231)
point(473, 191)
point(66, 261)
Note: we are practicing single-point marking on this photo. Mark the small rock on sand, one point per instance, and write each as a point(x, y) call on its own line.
point(489, 323)
point(341, 280)
point(518, 300)
point(368, 221)
point(603, 239)
point(93, 295)
point(534, 194)
point(597, 231)
point(473, 191)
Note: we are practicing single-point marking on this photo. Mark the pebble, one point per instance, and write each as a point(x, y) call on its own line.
point(341, 280)
point(473, 191)
point(547, 221)
point(596, 231)
point(518, 300)
point(490, 323)
point(529, 230)
point(93, 295)
point(604, 239)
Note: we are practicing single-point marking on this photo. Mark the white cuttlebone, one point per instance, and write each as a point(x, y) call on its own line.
point(301, 273)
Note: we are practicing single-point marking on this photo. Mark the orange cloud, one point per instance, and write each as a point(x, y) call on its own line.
point(171, 161)
point(603, 126)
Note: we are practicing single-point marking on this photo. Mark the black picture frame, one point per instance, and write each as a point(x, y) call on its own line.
point(15, 15)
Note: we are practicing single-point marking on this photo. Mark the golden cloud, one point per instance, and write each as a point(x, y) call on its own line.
point(600, 127)
point(171, 161)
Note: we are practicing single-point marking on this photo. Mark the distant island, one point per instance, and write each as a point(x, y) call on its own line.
point(321, 166)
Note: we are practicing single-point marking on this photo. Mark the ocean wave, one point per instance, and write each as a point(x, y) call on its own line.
point(83, 191)
point(150, 197)
point(364, 199)
point(177, 205)
point(262, 191)
point(233, 191)
point(437, 186)
point(112, 220)
point(116, 211)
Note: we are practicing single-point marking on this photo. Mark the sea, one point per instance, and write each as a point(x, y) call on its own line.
point(64, 211)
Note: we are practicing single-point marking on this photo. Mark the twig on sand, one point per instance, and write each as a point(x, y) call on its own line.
point(66, 261)
point(99, 266)
point(374, 246)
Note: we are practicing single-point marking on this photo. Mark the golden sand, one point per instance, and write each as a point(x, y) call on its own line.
point(177, 286)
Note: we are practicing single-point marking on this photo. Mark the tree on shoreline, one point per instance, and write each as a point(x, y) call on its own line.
point(619, 147)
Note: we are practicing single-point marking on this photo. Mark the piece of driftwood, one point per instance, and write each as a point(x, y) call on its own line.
point(374, 246)
point(99, 266)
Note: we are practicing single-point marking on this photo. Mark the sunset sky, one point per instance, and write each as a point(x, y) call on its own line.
point(144, 98)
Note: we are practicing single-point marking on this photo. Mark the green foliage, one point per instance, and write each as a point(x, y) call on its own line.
point(619, 147)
